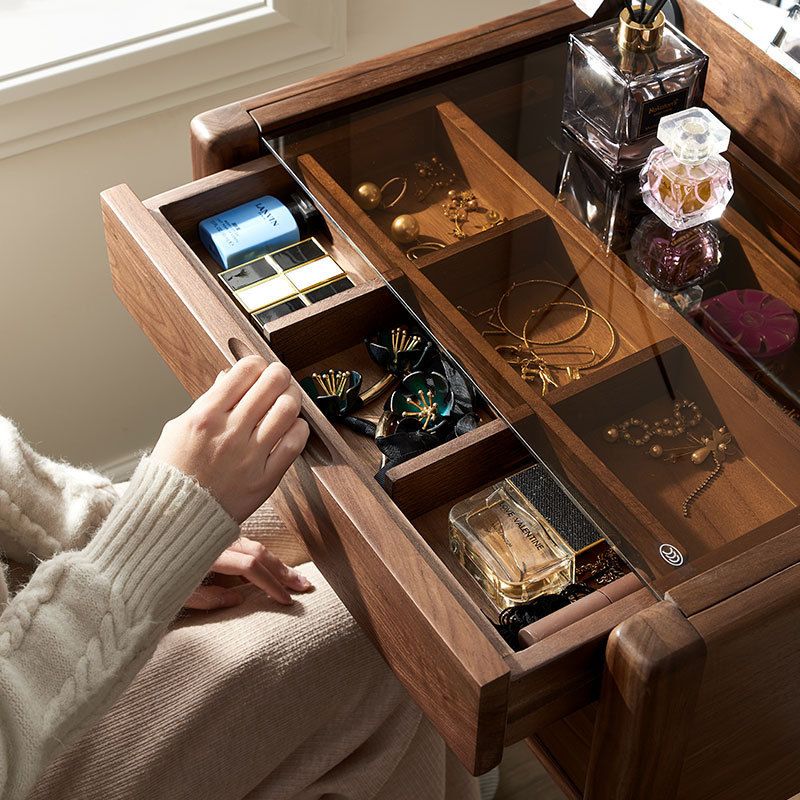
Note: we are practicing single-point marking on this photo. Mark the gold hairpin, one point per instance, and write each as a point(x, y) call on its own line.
point(332, 382)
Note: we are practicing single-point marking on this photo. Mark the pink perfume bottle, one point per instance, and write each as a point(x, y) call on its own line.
point(686, 182)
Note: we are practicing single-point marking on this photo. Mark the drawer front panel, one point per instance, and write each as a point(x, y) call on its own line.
point(466, 701)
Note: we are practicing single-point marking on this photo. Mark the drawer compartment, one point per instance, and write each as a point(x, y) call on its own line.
point(397, 147)
point(540, 314)
point(497, 284)
point(334, 338)
point(751, 487)
point(384, 551)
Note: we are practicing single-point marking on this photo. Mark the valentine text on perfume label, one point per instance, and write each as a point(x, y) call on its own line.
point(524, 528)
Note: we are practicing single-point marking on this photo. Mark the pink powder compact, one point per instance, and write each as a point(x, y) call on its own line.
point(749, 321)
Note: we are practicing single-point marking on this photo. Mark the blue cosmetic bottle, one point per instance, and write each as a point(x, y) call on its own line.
point(253, 229)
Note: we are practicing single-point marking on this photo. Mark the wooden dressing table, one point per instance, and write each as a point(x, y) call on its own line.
point(687, 688)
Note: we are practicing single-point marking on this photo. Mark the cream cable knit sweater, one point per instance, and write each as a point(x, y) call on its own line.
point(75, 636)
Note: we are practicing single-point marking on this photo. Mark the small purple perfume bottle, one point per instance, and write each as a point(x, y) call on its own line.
point(672, 261)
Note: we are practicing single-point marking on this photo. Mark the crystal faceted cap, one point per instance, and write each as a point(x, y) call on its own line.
point(693, 135)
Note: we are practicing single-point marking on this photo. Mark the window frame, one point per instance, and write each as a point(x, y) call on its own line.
point(88, 92)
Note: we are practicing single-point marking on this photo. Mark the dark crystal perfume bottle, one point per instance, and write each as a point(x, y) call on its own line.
point(622, 77)
point(672, 261)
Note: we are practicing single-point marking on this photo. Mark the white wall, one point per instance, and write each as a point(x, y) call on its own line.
point(78, 376)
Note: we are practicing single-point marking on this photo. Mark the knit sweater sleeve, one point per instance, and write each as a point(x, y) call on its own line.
point(46, 506)
point(73, 639)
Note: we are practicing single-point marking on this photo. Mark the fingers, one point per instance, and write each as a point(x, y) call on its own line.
point(230, 387)
point(286, 575)
point(278, 419)
point(251, 560)
point(285, 452)
point(254, 569)
point(273, 382)
point(207, 598)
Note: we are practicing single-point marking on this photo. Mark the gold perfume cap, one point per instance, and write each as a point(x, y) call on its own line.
point(638, 38)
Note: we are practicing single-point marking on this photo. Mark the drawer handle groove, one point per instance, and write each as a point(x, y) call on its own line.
point(317, 453)
point(239, 349)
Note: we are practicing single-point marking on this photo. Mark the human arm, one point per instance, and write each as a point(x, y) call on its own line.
point(74, 637)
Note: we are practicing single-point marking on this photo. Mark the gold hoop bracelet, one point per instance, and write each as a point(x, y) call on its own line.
point(523, 338)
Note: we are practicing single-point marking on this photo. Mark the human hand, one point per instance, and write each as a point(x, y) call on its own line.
point(257, 565)
point(240, 437)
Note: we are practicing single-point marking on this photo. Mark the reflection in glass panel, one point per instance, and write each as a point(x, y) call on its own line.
point(646, 417)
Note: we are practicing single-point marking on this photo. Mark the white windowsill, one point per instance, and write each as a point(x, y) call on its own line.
point(39, 106)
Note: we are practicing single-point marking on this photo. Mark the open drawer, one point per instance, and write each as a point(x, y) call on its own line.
point(384, 551)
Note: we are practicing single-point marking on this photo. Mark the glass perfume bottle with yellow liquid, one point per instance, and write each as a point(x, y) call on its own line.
point(686, 182)
point(506, 544)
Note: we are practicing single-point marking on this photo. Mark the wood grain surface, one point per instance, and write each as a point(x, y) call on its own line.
point(654, 666)
point(563, 749)
point(757, 97)
point(561, 674)
point(458, 467)
point(222, 138)
point(742, 740)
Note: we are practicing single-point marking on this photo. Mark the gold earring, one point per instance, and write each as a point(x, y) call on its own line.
point(600, 359)
point(369, 195)
point(457, 210)
point(460, 205)
point(493, 219)
point(435, 172)
point(405, 229)
point(500, 326)
point(399, 197)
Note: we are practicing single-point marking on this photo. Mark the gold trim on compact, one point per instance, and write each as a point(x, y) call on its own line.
point(285, 280)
